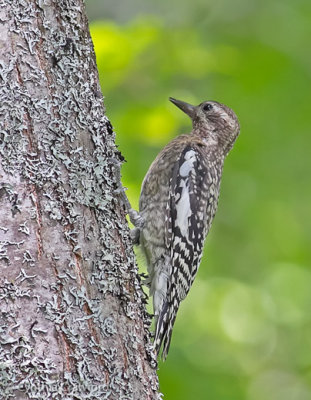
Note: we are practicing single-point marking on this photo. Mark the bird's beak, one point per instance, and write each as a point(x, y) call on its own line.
point(185, 107)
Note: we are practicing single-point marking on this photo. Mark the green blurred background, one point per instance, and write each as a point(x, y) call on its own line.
point(244, 331)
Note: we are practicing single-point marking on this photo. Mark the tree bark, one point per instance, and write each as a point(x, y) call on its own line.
point(73, 323)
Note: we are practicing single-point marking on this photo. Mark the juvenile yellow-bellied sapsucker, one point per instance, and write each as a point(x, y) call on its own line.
point(178, 201)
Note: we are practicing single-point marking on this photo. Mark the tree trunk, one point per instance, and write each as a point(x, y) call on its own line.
point(73, 323)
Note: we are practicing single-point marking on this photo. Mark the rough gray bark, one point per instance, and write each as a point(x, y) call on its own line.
point(72, 317)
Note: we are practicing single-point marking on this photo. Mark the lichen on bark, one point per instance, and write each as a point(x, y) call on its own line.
point(72, 315)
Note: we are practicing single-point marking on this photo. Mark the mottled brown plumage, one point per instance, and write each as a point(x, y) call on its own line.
point(178, 202)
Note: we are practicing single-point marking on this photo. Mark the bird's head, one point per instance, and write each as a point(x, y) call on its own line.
point(213, 121)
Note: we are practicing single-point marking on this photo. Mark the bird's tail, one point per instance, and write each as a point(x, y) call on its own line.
point(164, 329)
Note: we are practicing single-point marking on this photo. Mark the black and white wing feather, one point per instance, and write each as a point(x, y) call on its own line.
point(191, 207)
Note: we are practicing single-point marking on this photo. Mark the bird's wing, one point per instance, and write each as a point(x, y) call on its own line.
point(187, 221)
point(186, 218)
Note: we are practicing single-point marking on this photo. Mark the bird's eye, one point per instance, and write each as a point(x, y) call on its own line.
point(207, 107)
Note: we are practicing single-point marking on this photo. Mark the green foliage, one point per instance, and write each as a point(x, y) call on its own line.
point(244, 332)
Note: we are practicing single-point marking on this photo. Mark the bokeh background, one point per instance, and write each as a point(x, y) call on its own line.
point(244, 331)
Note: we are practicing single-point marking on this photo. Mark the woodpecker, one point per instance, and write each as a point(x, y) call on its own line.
point(178, 201)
